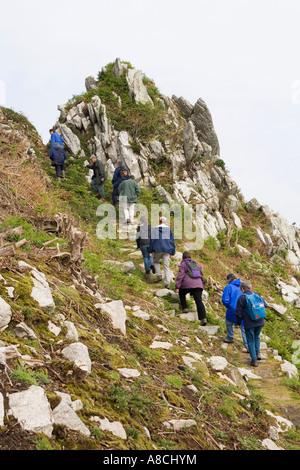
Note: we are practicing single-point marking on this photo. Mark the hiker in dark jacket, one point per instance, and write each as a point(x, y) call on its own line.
point(185, 284)
point(162, 246)
point(252, 327)
point(143, 237)
point(58, 157)
point(230, 296)
point(98, 177)
point(116, 181)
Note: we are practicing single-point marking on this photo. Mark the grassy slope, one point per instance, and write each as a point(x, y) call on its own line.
point(161, 394)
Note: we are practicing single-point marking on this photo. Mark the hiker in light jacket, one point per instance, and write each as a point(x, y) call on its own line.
point(252, 327)
point(143, 237)
point(98, 177)
point(129, 192)
point(230, 296)
point(194, 285)
point(58, 157)
point(162, 246)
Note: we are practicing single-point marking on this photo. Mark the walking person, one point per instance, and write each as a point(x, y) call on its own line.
point(162, 246)
point(143, 237)
point(116, 181)
point(190, 280)
point(98, 178)
point(230, 296)
point(56, 139)
point(253, 322)
point(58, 157)
point(129, 192)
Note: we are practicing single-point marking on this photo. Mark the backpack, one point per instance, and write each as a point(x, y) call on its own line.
point(256, 306)
point(193, 269)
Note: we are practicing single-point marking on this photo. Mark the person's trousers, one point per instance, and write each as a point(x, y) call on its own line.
point(128, 211)
point(166, 264)
point(148, 261)
point(115, 195)
point(197, 294)
point(230, 332)
point(253, 340)
point(99, 188)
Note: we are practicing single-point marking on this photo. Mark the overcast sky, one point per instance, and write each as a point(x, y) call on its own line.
point(240, 56)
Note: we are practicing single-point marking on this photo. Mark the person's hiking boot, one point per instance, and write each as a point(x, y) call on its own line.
point(229, 340)
point(253, 364)
point(167, 286)
point(185, 310)
point(148, 277)
point(152, 268)
point(203, 321)
point(158, 278)
point(258, 357)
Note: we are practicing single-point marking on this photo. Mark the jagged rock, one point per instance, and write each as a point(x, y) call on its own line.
point(7, 353)
point(129, 373)
point(253, 205)
point(157, 149)
point(78, 354)
point(32, 410)
point(91, 83)
point(128, 157)
point(296, 303)
point(117, 313)
point(211, 330)
point(41, 292)
point(23, 331)
point(119, 68)
point(202, 119)
point(137, 90)
point(116, 428)
point(5, 313)
point(218, 363)
point(71, 140)
point(178, 424)
point(248, 373)
point(65, 415)
point(184, 105)
point(288, 292)
point(238, 380)
point(192, 146)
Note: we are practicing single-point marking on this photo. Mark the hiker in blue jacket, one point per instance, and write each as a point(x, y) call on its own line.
point(56, 139)
point(162, 246)
point(58, 157)
point(116, 180)
point(230, 296)
point(252, 327)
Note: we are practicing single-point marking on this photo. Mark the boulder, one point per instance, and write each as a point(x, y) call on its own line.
point(116, 428)
point(78, 354)
point(218, 363)
point(127, 155)
point(290, 369)
point(5, 313)
point(179, 424)
point(253, 205)
point(117, 314)
point(32, 410)
point(23, 331)
point(65, 415)
point(91, 83)
point(41, 292)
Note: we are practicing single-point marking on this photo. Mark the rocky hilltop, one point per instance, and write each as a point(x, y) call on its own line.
point(92, 356)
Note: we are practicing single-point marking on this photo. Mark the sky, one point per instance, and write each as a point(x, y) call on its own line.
point(240, 56)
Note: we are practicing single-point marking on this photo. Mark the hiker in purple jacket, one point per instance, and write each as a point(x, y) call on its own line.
point(194, 285)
